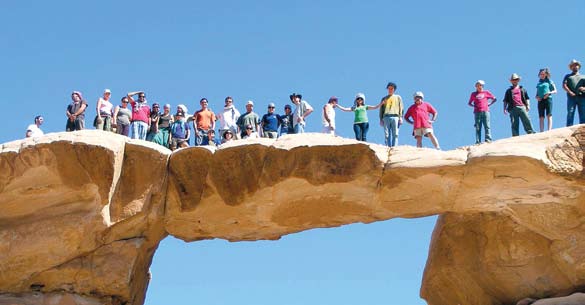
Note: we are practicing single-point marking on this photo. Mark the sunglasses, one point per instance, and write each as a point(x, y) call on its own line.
point(247, 128)
point(270, 107)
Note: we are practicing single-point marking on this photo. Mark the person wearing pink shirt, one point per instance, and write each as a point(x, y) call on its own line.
point(140, 115)
point(480, 100)
point(418, 115)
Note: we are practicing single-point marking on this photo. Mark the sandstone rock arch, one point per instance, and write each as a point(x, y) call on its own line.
point(81, 214)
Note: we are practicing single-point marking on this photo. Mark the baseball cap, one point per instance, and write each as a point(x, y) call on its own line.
point(250, 103)
point(270, 105)
point(419, 93)
point(481, 82)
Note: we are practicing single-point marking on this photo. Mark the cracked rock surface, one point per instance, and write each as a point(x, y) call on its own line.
point(82, 213)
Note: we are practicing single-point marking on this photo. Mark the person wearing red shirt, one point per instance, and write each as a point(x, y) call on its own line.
point(418, 115)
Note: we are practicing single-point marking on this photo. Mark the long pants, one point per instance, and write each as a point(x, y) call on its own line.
point(482, 118)
point(577, 102)
point(138, 130)
point(517, 114)
point(390, 130)
point(361, 130)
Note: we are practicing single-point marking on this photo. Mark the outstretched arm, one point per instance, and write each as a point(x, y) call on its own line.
point(344, 108)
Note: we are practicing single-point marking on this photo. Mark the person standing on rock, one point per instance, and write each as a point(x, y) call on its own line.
point(360, 121)
point(517, 103)
point(286, 121)
point(228, 117)
point(481, 100)
point(328, 116)
point(105, 111)
point(248, 118)
point(122, 117)
point(418, 115)
point(391, 115)
point(544, 91)
point(180, 132)
point(574, 84)
point(76, 112)
point(203, 121)
point(269, 123)
point(302, 110)
point(140, 115)
point(34, 130)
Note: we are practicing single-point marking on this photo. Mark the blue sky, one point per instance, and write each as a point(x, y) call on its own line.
point(180, 51)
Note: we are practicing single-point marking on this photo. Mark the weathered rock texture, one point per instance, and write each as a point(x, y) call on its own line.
point(81, 214)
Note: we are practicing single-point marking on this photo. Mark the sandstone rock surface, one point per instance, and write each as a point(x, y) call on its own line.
point(81, 214)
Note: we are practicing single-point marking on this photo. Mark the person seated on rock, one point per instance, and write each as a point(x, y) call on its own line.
point(180, 132)
point(250, 133)
point(212, 140)
point(228, 136)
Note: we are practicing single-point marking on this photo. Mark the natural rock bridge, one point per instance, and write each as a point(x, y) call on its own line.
point(81, 214)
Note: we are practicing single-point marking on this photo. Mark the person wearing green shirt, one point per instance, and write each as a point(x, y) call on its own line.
point(360, 122)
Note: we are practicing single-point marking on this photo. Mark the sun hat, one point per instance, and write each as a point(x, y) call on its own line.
point(107, 91)
point(295, 95)
point(250, 103)
point(419, 93)
point(481, 82)
point(514, 76)
point(574, 62)
point(271, 105)
point(360, 95)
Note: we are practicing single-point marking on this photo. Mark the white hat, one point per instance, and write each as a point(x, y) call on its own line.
point(250, 103)
point(107, 91)
point(360, 95)
point(481, 82)
point(419, 93)
point(514, 76)
point(574, 62)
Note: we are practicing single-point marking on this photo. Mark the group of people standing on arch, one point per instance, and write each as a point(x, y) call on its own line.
point(135, 118)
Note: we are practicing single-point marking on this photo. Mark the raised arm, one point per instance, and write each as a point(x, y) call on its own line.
point(344, 108)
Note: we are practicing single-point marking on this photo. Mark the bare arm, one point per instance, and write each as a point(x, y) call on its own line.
point(81, 109)
point(374, 107)
point(344, 108)
point(115, 116)
point(134, 93)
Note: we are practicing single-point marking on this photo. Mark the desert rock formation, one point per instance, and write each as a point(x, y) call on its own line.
point(82, 213)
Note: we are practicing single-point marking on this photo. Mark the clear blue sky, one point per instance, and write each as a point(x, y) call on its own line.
point(180, 51)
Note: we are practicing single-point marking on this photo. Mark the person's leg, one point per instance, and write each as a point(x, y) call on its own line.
point(365, 128)
point(108, 123)
point(514, 122)
point(357, 131)
point(126, 130)
point(477, 126)
point(386, 120)
point(79, 124)
point(571, 105)
point(541, 110)
point(394, 130)
point(525, 118)
point(134, 130)
point(581, 109)
point(418, 141)
point(486, 124)
point(434, 140)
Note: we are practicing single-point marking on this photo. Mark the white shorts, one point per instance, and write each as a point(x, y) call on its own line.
point(419, 132)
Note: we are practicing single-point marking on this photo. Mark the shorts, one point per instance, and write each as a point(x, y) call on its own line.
point(545, 107)
point(177, 143)
point(419, 132)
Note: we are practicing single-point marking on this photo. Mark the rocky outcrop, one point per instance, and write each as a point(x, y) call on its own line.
point(81, 214)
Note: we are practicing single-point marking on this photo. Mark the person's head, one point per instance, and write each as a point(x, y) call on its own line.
point(249, 106)
point(107, 94)
point(76, 96)
point(203, 102)
point(271, 107)
point(418, 97)
point(167, 109)
point(515, 79)
point(39, 120)
point(229, 101)
point(228, 135)
point(211, 134)
point(391, 88)
point(141, 97)
point(182, 108)
point(575, 65)
point(333, 100)
point(544, 74)
point(360, 99)
point(155, 108)
point(124, 102)
point(479, 85)
point(179, 115)
point(287, 109)
point(249, 129)
point(296, 98)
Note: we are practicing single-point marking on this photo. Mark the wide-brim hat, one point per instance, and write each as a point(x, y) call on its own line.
point(295, 95)
point(514, 76)
point(574, 62)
